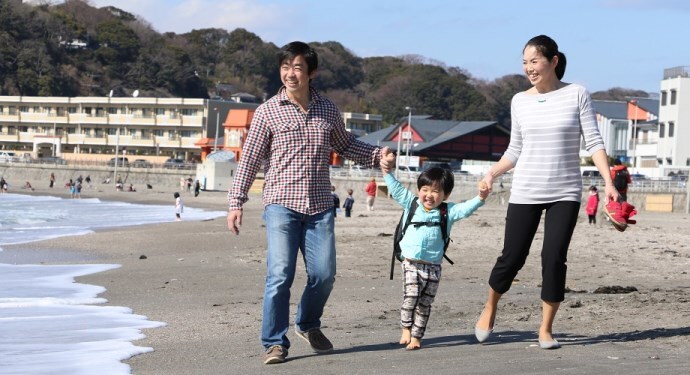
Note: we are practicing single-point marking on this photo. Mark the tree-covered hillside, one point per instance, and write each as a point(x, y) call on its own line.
point(74, 49)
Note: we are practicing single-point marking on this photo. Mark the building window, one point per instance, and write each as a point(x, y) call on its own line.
point(671, 126)
point(662, 127)
point(132, 132)
point(673, 97)
point(145, 134)
point(86, 131)
point(112, 131)
point(2, 109)
point(24, 109)
point(71, 110)
point(188, 112)
point(112, 110)
point(71, 130)
point(663, 97)
point(160, 111)
point(158, 132)
point(186, 133)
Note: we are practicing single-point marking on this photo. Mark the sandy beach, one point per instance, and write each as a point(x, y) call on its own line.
point(207, 285)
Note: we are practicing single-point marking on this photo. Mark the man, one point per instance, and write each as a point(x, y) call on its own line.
point(621, 178)
point(293, 134)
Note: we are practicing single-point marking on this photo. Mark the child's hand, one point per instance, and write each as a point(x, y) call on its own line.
point(483, 190)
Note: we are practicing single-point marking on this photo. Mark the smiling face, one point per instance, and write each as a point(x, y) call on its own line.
point(431, 196)
point(295, 76)
point(539, 70)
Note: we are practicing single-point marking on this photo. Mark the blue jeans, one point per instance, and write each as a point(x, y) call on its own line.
point(288, 232)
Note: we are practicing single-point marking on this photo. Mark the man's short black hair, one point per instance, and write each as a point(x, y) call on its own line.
point(294, 49)
point(436, 176)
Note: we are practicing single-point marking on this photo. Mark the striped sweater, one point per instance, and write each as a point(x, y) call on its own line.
point(545, 144)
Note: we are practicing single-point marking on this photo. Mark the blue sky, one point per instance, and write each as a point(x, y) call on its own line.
point(608, 43)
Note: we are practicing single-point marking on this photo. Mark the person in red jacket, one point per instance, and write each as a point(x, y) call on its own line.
point(371, 194)
point(621, 178)
point(592, 204)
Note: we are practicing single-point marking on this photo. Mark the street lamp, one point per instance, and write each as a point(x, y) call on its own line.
point(409, 134)
point(215, 139)
point(634, 134)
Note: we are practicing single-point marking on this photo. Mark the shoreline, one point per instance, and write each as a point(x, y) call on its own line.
point(206, 284)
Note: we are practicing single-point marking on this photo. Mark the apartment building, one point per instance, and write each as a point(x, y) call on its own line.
point(154, 128)
point(674, 118)
point(62, 126)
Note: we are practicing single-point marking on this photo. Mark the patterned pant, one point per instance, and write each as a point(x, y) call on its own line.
point(420, 286)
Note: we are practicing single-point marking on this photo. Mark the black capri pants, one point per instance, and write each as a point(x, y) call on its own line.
point(522, 221)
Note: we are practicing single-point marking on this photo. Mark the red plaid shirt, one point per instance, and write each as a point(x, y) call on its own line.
point(295, 148)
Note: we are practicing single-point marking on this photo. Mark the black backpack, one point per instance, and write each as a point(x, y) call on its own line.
point(406, 221)
point(620, 179)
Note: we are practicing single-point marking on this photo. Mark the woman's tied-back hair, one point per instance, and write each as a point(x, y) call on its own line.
point(548, 48)
point(436, 176)
point(294, 49)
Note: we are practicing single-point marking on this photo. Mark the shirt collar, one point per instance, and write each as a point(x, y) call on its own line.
point(314, 96)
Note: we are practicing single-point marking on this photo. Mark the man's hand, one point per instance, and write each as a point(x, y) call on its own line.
point(387, 160)
point(235, 221)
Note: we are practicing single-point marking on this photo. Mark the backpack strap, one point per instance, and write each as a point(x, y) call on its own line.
point(444, 229)
point(400, 233)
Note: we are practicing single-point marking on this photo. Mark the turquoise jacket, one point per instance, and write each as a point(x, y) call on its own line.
point(425, 243)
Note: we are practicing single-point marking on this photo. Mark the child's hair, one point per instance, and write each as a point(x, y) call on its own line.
point(436, 176)
point(350, 191)
point(592, 188)
point(176, 195)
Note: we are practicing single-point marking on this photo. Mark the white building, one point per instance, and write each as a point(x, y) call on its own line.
point(674, 119)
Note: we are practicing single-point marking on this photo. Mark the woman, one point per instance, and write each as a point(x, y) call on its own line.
point(547, 121)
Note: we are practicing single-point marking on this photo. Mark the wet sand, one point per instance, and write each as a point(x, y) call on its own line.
point(207, 285)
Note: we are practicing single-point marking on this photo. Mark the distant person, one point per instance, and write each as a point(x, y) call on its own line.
point(52, 180)
point(27, 185)
point(131, 188)
point(370, 189)
point(77, 190)
point(179, 206)
point(294, 133)
point(592, 205)
point(4, 186)
point(72, 188)
point(88, 181)
point(548, 122)
point(423, 245)
point(349, 202)
point(197, 188)
point(336, 201)
point(621, 179)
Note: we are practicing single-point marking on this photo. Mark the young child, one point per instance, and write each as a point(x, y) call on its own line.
point(422, 245)
point(179, 206)
point(349, 201)
point(592, 204)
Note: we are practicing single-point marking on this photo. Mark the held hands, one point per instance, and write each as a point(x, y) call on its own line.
point(235, 221)
point(387, 160)
point(483, 190)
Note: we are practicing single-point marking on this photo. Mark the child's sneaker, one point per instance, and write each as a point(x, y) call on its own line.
point(614, 212)
point(619, 214)
point(628, 211)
